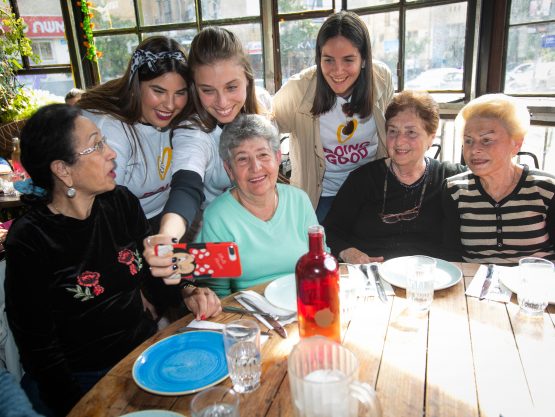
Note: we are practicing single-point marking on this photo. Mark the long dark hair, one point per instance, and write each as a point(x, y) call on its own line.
point(46, 137)
point(213, 44)
point(352, 27)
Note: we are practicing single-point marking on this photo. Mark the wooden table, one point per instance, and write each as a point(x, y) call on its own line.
point(465, 358)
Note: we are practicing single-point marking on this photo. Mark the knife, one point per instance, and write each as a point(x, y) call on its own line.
point(267, 316)
point(377, 280)
point(487, 282)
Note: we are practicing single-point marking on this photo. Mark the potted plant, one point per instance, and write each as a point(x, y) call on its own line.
point(15, 101)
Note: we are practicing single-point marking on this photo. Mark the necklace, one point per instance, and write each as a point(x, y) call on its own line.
point(276, 200)
point(415, 184)
point(409, 214)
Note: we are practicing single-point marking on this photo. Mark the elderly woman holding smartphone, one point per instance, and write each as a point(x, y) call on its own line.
point(268, 221)
point(75, 277)
point(501, 211)
point(392, 207)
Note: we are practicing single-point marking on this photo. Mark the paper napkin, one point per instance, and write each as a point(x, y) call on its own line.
point(263, 304)
point(367, 285)
point(497, 291)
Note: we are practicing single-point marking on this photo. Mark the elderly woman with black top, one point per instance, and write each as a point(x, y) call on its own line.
point(392, 207)
point(501, 211)
point(75, 277)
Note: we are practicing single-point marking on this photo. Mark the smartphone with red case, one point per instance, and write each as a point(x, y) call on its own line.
point(204, 260)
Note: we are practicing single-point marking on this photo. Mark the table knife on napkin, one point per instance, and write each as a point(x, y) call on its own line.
point(377, 280)
point(276, 325)
point(487, 282)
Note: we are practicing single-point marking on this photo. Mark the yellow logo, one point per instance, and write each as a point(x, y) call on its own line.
point(340, 128)
point(164, 163)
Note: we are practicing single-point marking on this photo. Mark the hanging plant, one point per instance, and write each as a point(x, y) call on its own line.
point(92, 53)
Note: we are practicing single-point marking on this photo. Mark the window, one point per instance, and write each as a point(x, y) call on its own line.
point(52, 76)
point(119, 30)
point(530, 60)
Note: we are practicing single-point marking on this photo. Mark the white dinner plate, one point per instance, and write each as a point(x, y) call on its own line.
point(282, 292)
point(153, 413)
point(510, 278)
point(394, 271)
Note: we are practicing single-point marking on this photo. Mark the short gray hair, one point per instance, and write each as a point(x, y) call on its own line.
point(244, 127)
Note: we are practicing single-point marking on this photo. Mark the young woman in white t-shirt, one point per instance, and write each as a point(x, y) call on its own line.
point(334, 111)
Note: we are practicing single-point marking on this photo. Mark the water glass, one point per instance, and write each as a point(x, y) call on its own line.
point(323, 376)
point(535, 275)
point(420, 282)
point(242, 351)
point(215, 402)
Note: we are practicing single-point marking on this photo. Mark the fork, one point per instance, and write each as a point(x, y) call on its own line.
point(256, 309)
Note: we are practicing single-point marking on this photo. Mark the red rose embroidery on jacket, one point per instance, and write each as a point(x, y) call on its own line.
point(85, 282)
point(132, 259)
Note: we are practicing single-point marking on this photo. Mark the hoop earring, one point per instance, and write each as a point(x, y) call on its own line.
point(71, 192)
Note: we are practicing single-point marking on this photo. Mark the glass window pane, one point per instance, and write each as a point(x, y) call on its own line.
point(113, 14)
point(184, 37)
point(355, 4)
point(434, 47)
point(531, 59)
point(384, 35)
point(168, 11)
point(46, 30)
point(291, 6)
point(526, 11)
point(297, 41)
point(48, 87)
point(251, 38)
point(116, 50)
point(226, 9)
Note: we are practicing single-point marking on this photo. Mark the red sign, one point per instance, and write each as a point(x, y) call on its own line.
point(44, 26)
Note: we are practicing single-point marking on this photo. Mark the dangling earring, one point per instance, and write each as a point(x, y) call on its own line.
point(363, 64)
point(71, 192)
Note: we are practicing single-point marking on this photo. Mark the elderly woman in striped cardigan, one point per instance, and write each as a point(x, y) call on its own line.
point(499, 211)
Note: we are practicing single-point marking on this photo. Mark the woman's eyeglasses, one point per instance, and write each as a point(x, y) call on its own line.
point(406, 215)
point(350, 124)
point(98, 146)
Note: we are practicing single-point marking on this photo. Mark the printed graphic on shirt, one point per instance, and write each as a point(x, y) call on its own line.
point(349, 154)
point(346, 131)
point(164, 162)
point(132, 259)
point(86, 281)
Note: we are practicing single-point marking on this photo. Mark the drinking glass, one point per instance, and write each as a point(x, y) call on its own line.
point(323, 376)
point(242, 351)
point(535, 274)
point(215, 402)
point(420, 282)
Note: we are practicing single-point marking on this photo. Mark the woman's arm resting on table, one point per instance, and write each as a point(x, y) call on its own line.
point(202, 302)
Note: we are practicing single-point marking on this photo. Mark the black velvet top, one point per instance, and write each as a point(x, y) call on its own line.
point(73, 291)
point(354, 221)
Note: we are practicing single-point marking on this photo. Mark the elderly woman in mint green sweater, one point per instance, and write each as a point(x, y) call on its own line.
point(268, 221)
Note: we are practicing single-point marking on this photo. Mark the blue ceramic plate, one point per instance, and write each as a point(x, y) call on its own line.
point(153, 413)
point(182, 364)
point(394, 271)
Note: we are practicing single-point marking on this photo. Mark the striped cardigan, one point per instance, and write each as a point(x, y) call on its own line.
point(486, 231)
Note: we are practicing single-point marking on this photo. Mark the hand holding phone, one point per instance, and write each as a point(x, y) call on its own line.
point(204, 260)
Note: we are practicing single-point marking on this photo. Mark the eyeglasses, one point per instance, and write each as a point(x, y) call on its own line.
point(98, 146)
point(349, 125)
point(406, 215)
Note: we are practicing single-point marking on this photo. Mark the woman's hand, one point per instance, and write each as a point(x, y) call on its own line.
point(202, 302)
point(161, 266)
point(354, 256)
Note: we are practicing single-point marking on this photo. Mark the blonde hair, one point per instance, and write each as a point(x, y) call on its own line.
point(509, 111)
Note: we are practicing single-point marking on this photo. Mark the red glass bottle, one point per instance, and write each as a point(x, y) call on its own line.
point(317, 277)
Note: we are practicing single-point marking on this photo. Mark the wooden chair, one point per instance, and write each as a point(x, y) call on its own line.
point(7, 132)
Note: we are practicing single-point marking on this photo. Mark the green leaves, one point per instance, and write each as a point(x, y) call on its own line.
point(79, 293)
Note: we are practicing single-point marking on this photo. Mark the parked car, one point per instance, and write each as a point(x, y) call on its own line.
point(437, 79)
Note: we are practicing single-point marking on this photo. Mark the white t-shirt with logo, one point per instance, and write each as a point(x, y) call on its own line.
point(345, 152)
